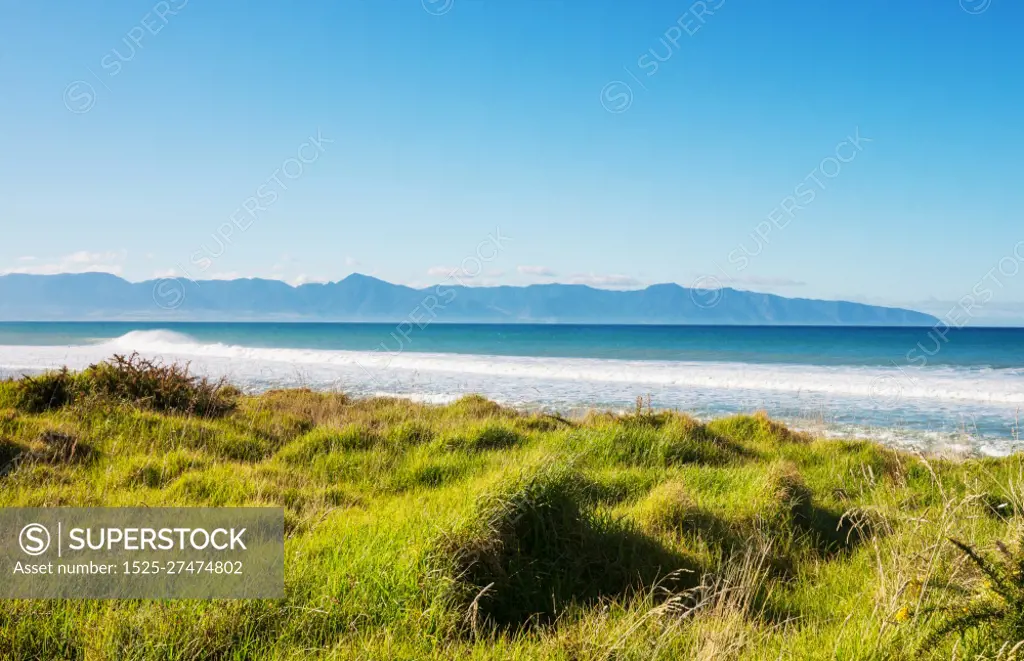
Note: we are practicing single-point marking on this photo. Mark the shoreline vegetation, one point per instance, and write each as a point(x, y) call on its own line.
point(471, 530)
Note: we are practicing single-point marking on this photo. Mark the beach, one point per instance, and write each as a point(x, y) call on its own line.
point(905, 387)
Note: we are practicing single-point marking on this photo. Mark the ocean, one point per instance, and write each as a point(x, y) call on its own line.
point(934, 390)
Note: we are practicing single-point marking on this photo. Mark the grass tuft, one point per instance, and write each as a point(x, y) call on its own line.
point(532, 549)
point(326, 440)
point(490, 435)
point(60, 447)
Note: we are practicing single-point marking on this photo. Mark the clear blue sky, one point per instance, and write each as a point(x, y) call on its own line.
point(451, 119)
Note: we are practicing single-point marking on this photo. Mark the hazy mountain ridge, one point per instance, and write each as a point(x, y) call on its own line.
point(99, 296)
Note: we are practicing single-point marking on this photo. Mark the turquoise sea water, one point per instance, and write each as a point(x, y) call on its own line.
point(926, 388)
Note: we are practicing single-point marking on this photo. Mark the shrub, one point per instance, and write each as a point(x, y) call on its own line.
point(153, 385)
point(1000, 607)
point(48, 391)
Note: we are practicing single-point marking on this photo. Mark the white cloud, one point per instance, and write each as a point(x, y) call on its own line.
point(541, 271)
point(77, 262)
point(605, 281)
point(303, 279)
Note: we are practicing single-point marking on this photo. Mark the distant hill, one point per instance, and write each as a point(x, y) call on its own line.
point(101, 296)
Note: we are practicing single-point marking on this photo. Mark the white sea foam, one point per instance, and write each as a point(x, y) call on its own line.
point(934, 399)
point(880, 383)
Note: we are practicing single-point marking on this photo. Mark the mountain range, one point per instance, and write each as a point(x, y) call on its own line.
point(102, 296)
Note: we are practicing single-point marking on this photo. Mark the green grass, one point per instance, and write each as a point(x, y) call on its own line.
point(471, 531)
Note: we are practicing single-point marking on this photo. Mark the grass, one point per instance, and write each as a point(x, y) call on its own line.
point(479, 532)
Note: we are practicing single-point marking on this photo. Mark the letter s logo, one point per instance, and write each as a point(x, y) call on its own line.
point(34, 539)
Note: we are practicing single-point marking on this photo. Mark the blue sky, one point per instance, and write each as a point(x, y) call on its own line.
point(611, 143)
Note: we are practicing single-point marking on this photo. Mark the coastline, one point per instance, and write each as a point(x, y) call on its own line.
point(966, 399)
point(472, 529)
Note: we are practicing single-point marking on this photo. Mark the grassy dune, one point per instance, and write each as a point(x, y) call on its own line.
point(471, 531)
